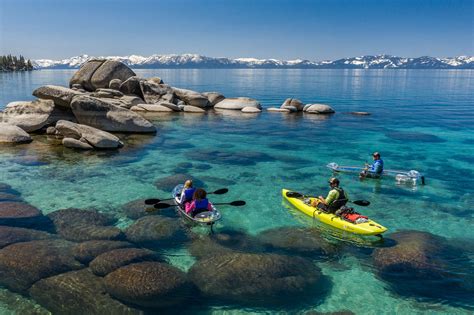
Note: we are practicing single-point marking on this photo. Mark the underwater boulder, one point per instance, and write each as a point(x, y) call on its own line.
point(168, 183)
point(23, 264)
point(256, 279)
point(148, 284)
point(11, 235)
point(19, 214)
point(87, 251)
point(299, 241)
point(155, 231)
point(77, 292)
point(109, 261)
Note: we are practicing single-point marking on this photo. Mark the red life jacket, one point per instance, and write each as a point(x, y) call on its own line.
point(352, 217)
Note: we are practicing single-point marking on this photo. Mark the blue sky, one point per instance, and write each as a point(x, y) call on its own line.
point(282, 29)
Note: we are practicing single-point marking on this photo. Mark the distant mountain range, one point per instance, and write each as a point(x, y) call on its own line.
point(197, 61)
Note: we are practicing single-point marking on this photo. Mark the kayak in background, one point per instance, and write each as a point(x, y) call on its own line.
point(401, 177)
point(352, 222)
point(202, 218)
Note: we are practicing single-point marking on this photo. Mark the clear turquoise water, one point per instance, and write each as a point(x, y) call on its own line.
point(421, 119)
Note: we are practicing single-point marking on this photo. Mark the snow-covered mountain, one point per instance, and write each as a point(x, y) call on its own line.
point(198, 61)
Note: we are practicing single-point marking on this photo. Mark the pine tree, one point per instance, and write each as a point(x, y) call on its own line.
point(14, 63)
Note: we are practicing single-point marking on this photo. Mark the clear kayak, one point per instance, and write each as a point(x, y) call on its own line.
point(368, 227)
point(401, 177)
point(203, 218)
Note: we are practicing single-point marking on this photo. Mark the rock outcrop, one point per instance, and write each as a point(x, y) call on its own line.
point(214, 97)
point(238, 103)
point(293, 103)
point(103, 115)
point(13, 134)
point(192, 98)
point(84, 75)
point(90, 136)
point(60, 95)
point(108, 71)
point(318, 109)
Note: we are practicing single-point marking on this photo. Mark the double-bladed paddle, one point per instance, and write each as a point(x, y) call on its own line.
point(294, 194)
point(236, 203)
point(155, 201)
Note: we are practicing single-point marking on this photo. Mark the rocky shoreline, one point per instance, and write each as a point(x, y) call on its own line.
point(106, 96)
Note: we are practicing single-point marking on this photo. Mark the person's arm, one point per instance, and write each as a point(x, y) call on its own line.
point(331, 197)
point(209, 206)
point(190, 206)
point(182, 198)
point(378, 168)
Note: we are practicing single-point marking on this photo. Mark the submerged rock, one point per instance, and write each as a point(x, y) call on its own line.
point(76, 144)
point(278, 110)
point(251, 110)
point(87, 251)
point(12, 134)
point(92, 136)
point(60, 95)
point(23, 264)
point(14, 303)
point(104, 115)
point(35, 115)
point(148, 284)
point(155, 231)
point(238, 103)
point(19, 214)
point(300, 241)
point(11, 235)
point(77, 292)
point(109, 261)
point(169, 182)
point(83, 76)
point(256, 279)
point(193, 109)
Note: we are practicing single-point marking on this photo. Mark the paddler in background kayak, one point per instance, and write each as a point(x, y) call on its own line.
point(375, 169)
point(187, 192)
point(335, 199)
point(199, 203)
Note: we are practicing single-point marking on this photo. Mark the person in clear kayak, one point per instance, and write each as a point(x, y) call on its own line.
point(334, 201)
point(199, 203)
point(187, 193)
point(373, 170)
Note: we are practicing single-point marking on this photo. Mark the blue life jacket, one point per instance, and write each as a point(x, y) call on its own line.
point(201, 204)
point(188, 194)
point(377, 166)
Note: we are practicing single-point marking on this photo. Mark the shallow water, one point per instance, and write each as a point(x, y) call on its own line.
point(421, 119)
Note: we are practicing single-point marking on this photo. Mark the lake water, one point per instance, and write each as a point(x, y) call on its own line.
point(420, 119)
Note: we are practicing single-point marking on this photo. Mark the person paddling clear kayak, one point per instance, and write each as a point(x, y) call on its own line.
point(187, 192)
point(335, 199)
point(199, 203)
point(374, 170)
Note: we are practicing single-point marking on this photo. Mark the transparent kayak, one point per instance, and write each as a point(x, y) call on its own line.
point(401, 177)
point(204, 218)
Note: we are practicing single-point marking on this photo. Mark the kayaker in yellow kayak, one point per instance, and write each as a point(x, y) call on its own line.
point(335, 199)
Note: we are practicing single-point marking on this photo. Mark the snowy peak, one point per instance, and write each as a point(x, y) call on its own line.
point(199, 61)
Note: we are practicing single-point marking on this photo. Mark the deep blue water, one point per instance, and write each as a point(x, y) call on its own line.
point(421, 119)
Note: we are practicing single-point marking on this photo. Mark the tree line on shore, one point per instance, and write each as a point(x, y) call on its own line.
point(14, 63)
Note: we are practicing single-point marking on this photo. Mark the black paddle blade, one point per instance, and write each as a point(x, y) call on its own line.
point(294, 194)
point(362, 203)
point(152, 201)
point(237, 203)
point(221, 191)
point(162, 205)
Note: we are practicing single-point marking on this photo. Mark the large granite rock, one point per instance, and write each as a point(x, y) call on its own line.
point(192, 98)
point(148, 284)
point(103, 115)
point(13, 134)
point(261, 279)
point(278, 110)
point(97, 138)
point(155, 93)
point(293, 102)
point(193, 109)
point(109, 261)
point(19, 214)
point(153, 108)
point(76, 293)
point(61, 96)
point(23, 264)
point(83, 76)
point(87, 251)
point(108, 71)
point(76, 144)
point(115, 84)
point(238, 103)
point(132, 86)
point(155, 232)
point(319, 109)
point(214, 97)
point(35, 115)
point(11, 235)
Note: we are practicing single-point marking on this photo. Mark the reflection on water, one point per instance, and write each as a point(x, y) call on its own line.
point(420, 120)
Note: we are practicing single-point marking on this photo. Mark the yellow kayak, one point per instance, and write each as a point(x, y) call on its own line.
point(367, 228)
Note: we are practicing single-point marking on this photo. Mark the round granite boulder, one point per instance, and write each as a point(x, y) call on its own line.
point(108, 71)
point(319, 109)
point(109, 261)
point(294, 240)
point(115, 84)
point(87, 251)
point(13, 134)
point(155, 231)
point(19, 214)
point(148, 284)
point(294, 103)
point(238, 103)
point(22, 264)
point(83, 76)
point(256, 279)
point(77, 292)
point(11, 235)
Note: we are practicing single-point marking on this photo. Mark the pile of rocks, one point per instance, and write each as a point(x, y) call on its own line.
point(106, 96)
